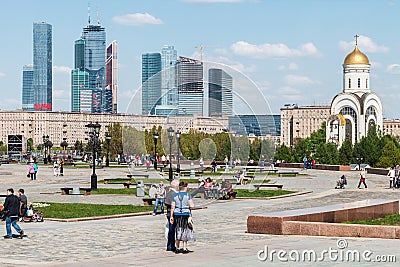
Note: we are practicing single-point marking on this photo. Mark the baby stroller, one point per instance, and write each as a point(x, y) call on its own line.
point(33, 215)
point(341, 182)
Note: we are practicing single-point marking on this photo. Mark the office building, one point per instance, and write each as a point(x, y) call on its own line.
point(220, 100)
point(169, 90)
point(27, 88)
point(42, 66)
point(151, 82)
point(256, 125)
point(110, 99)
point(190, 86)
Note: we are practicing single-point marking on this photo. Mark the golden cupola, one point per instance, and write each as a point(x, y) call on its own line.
point(356, 57)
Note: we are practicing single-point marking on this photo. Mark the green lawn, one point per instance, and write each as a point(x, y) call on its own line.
point(392, 219)
point(261, 193)
point(78, 210)
point(114, 191)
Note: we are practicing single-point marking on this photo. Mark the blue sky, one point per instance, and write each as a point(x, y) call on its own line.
point(291, 50)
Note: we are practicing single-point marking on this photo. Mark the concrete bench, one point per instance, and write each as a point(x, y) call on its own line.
point(137, 175)
point(257, 186)
point(66, 191)
point(287, 173)
point(147, 201)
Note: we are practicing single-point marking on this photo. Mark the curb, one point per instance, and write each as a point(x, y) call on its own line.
point(116, 216)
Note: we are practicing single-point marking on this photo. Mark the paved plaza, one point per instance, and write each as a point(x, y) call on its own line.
point(220, 228)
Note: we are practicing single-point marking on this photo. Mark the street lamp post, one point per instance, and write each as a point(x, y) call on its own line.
point(45, 139)
point(170, 136)
point(359, 158)
point(94, 132)
point(155, 136)
point(108, 139)
point(178, 139)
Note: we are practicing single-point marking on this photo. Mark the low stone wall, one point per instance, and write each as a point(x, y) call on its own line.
point(339, 229)
point(378, 171)
point(316, 166)
point(316, 221)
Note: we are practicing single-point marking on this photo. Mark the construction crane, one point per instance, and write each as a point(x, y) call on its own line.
point(201, 50)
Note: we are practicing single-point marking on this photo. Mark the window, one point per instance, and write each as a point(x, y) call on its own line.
point(366, 83)
point(359, 83)
point(349, 83)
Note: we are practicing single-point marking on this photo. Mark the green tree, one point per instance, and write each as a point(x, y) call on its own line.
point(115, 130)
point(390, 156)
point(29, 144)
point(346, 153)
point(283, 153)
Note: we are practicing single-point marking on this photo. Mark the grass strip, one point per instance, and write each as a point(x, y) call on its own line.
point(261, 193)
point(79, 210)
point(391, 219)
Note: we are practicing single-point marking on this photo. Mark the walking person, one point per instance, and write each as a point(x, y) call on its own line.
point(31, 170)
point(23, 203)
point(35, 168)
point(182, 203)
point(160, 195)
point(62, 168)
point(55, 168)
point(171, 227)
point(362, 178)
point(392, 176)
point(11, 207)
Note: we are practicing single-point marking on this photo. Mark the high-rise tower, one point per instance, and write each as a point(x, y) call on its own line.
point(169, 90)
point(42, 66)
point(27, 88)
point(110, 98)
point(220, 93)
point(151, 82)
point(190, 86)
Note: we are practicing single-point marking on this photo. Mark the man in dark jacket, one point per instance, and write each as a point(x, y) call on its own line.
point(11, 206)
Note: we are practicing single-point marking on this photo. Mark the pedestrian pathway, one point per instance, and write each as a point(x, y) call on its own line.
point(139, 241)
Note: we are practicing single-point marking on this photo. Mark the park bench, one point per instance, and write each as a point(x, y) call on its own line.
point(148, 201)
point(249, 174)
point(137, 175)
point(66, 191)
point(125, 180)
point(281, 173)
point(257, 186)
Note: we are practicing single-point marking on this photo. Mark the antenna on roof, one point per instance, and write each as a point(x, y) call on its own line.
point(89, 13)
point(97, 14)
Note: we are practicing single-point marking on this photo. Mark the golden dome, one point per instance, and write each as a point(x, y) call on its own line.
point(356, 57)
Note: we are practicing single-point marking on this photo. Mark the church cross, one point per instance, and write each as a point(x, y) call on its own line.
point(356, 36)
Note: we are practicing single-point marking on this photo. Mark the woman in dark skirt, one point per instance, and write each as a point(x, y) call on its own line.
point(182, 202)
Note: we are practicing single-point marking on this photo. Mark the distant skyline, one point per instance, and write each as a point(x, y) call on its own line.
point(292, 51)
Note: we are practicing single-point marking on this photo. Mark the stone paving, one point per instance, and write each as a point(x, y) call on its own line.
point(220, 229)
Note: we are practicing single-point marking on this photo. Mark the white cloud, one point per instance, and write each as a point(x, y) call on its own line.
point(376, 64)
point(62, 69)
point(2, 74)
point(393, 69)
point(366, 45)
point(236, 65)
point(266, 50)
point(136, 19)
point(212, 1)
point(299, 80)
point(60, 93)
point(291, 66)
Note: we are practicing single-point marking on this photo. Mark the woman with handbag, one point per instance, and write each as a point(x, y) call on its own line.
point(362, 179)
point(181, 205)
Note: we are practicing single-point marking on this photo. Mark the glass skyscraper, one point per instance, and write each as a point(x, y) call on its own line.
point(42, 66)
point(110, 98)
point(27, 88)
point(190, 86)
point(169, 90)
point(220, 99)
point(94, 37)
point(151, 82)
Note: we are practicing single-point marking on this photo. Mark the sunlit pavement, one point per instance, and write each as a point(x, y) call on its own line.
point(220, 229)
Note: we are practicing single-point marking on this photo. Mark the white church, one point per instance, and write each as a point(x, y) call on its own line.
point(355, 110)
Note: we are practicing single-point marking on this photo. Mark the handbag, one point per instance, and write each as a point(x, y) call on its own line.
point(190, 222)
